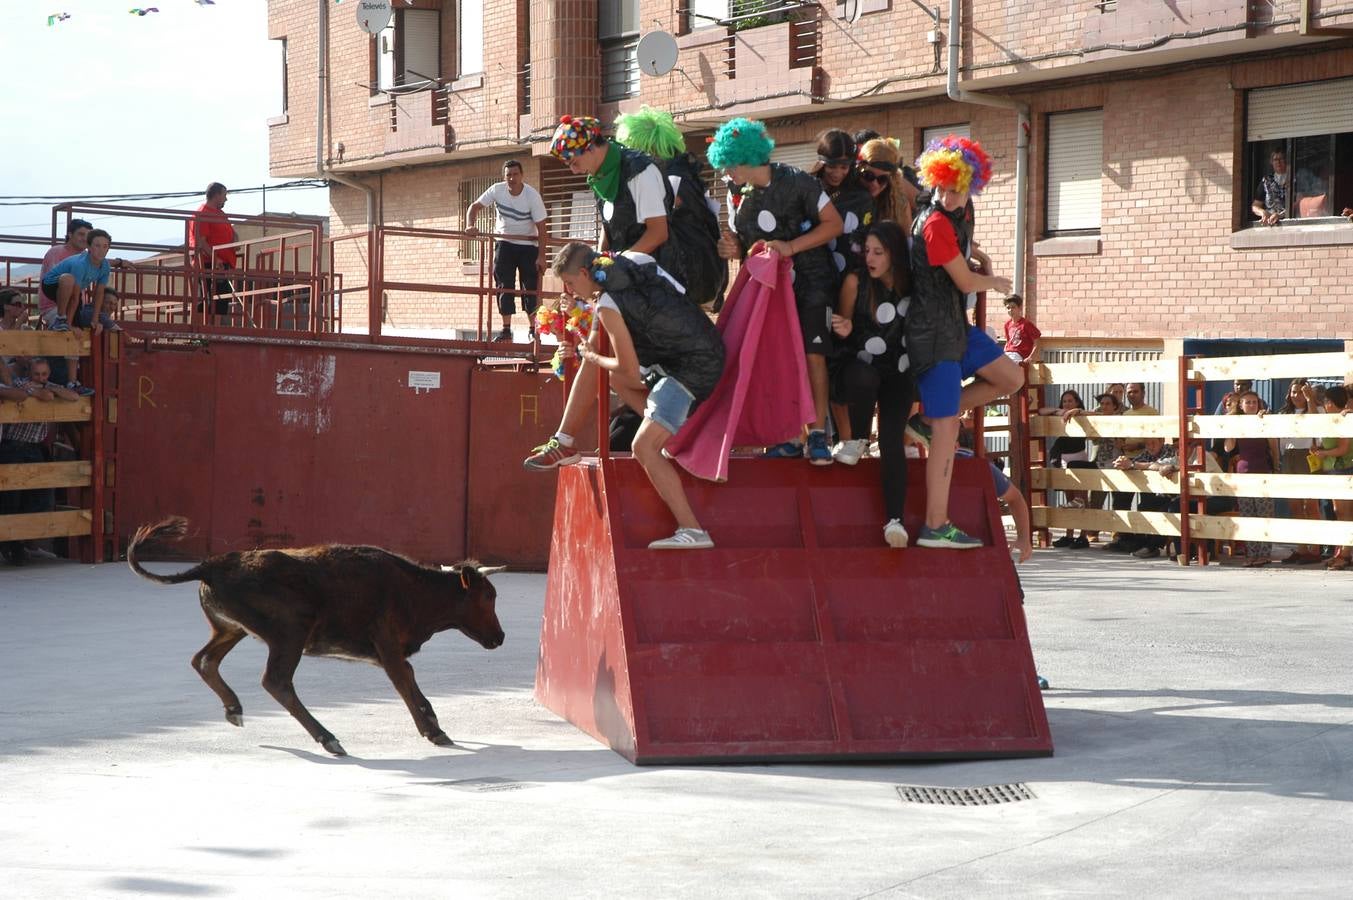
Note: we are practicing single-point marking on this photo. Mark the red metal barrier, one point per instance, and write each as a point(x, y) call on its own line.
point(799, 637)
point(510, 511)
point(274, 443)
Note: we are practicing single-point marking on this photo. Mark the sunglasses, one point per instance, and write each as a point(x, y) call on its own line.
point(869, 178)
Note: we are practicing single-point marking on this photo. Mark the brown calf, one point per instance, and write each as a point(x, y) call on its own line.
point(360, 603)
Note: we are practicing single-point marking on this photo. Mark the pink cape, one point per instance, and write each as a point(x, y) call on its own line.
point(763, 364)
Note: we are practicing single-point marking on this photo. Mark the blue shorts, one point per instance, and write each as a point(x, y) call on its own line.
point(669, 404)
point(940, 385)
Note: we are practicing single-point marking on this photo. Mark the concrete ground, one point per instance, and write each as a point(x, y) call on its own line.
point(1201, 718)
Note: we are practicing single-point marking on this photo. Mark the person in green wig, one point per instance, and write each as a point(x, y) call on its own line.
point(694, 224)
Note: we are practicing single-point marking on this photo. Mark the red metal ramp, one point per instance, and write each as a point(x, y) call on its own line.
point(800, 637)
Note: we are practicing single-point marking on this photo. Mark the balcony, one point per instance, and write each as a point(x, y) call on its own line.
point(418, 123)
point(764, 56)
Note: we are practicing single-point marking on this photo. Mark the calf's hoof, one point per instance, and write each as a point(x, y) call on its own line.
point(333, 746)
point(441, 740)
point(235, 716)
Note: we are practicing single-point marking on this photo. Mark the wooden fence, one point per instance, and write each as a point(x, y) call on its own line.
point(77, 477)
point(1191, 429)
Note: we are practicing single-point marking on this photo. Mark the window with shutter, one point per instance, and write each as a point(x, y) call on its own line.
point(470, 55)
point(801, 156)
point(1075, 170)
point(569, 201)
point(408, 52)
point(1306, 130)
point(935, 132)
point(470, 190)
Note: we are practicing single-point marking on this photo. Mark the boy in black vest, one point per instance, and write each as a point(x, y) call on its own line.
point(944, 349)
point(634, 200)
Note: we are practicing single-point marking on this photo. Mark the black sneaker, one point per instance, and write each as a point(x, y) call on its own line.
point(1063, 542)
point(503, 337)
point(1081, 543)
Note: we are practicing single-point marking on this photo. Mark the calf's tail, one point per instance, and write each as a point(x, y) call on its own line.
point(171, 529)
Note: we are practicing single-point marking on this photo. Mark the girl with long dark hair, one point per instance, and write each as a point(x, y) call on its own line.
point(870, 320)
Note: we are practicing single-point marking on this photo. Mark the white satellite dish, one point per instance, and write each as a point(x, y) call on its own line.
point(657, 52)
point(373, 16)
point(851, 10)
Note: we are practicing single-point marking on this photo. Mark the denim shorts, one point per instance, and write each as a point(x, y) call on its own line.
point(669, 404)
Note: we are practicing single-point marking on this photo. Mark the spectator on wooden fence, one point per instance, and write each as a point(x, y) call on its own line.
point(1230, 405)
point(1119, 391)
point(13, 317)
point(105, 321)
point(1137, 406)
point(24, 442)
point(1155, 456)
point(1106, 450)
point(1254, 455)
point(1238, 387)
point(1293, 452)
point(1336, 458)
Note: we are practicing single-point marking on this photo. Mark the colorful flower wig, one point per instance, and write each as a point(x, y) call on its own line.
point(574, 135)
point(650, 131)
point(956, 163)
point(740, 142)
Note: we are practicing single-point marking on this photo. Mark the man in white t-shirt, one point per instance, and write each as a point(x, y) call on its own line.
point(520, 215)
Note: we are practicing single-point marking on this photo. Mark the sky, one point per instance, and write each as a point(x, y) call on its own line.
point(107, 101)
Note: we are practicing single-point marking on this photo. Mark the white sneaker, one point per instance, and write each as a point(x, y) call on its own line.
point(849, 452)
point(894, 535)
point(684, 539)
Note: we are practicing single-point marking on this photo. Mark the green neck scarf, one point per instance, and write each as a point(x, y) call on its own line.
point(606, 183)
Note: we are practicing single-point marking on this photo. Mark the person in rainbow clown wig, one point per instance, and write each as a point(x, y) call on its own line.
point(944, 349)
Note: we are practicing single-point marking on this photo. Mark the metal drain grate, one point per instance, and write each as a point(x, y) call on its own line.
point(974, 796)
point(483, 785)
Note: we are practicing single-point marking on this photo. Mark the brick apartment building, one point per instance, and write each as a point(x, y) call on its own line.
point(1151, 123)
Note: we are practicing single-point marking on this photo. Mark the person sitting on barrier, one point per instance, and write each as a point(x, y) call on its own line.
point(520, 215)
point(105, 321)
point(871, 321)
point(66, 281)
point(667, 358)
point(1336, 458)
point(24, 442)
point(785, 211)
point(1254, 455)
point(944, 348)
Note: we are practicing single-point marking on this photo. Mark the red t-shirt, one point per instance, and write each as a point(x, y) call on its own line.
point(210, 227)
point(941, 241)
point(1020, 337)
